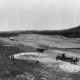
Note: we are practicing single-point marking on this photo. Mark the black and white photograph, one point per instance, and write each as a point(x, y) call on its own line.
point(39, 39)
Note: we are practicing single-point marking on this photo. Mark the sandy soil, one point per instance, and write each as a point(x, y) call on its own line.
point(68, 67)
point(48, 59)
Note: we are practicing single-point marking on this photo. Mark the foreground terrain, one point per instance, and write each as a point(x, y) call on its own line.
point(29, 64)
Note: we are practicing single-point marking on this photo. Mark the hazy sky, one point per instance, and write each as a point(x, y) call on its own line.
point(39, 14)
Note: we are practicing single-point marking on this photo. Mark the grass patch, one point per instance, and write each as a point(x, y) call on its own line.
point(9, 68)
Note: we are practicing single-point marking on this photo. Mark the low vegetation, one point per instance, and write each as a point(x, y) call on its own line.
point(28, 70)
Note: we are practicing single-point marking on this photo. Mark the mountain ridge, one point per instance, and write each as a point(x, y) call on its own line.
point(72, 32)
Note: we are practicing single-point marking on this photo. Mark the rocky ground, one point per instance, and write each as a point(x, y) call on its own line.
point(29, 64)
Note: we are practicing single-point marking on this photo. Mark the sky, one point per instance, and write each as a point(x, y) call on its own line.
point(39, 14)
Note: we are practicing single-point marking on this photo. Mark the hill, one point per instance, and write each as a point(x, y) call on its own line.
point(70, 33)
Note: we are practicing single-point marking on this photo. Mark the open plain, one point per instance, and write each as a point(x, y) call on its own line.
point(30, 64)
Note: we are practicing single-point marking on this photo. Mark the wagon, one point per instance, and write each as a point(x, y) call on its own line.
point(67, 59)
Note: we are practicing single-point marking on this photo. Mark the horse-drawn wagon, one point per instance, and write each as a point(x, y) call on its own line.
point(67, 59)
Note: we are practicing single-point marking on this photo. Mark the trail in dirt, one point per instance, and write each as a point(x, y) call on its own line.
point(48, 59)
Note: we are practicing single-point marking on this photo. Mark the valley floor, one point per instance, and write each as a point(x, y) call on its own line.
point(53, 45)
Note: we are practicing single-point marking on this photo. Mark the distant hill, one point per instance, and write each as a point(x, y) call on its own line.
point(76, 29)
point(71, 33)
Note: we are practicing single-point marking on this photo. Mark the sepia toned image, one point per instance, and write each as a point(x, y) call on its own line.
point(39, 39)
